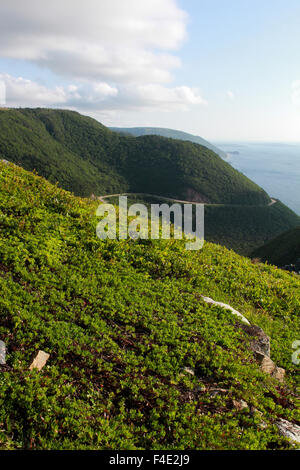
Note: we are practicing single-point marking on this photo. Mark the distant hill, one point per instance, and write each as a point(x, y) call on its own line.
point(282, 250)
point(170, 133)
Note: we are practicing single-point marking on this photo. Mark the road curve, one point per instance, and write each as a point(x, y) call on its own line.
point(163, 198)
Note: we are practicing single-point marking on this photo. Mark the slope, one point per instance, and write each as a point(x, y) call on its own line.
point(238, 227)
point(137, 359)
point(283, 250)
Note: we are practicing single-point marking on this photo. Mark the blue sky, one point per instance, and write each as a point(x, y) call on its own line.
point(222, 69)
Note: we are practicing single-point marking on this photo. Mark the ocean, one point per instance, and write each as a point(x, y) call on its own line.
point(273, 166)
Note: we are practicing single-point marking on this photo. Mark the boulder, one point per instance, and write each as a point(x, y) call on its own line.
point(2, 353)
point(39, 361)
point(269, 367)
point(260, 342)
point(265, 362)
point(289, 430)
point(279, 374)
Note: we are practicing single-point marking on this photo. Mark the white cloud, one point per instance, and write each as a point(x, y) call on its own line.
point(118, 54)
point(168, 99)
point(99, 96)
point(22, 92)
point(95, 40)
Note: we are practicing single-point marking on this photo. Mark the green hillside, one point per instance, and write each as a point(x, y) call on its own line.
point(244, 228)
point(85, 157)
point(241, 228)
point(283, 250)
point(137, 359)
point(170, 133)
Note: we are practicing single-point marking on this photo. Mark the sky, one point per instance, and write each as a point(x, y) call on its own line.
point(227, 70)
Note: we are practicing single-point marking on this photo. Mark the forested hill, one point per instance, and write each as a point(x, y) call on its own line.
point(170, 133)
point(282, 250)
point(83, 156)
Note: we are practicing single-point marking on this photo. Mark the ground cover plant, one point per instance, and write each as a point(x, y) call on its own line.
point(135, 353)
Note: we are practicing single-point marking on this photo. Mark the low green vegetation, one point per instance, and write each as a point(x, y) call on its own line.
point(123, 323)
point(283, 250)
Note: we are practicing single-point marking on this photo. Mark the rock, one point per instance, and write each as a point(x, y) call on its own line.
point(260, 342)
point(226, 307)
point(2, 353)
point(269, 367)
point(279, 374)
point(213, 392)
point(189, 371)
point(39, 361)
point(240, 404)
point(289, 430)
point(265, 362)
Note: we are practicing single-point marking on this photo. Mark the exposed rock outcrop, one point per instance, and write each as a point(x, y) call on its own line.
point(260, 342)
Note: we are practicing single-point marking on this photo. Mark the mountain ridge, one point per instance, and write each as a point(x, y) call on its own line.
point(171, 133)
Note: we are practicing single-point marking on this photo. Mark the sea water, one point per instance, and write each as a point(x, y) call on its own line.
point(273, 166)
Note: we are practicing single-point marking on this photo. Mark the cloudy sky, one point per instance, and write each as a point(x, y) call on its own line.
point(222, 69)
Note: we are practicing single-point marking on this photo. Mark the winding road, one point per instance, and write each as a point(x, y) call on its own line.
point(163, 198)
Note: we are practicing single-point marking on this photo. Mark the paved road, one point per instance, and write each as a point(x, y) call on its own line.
point(272, 202)
point(163, 198)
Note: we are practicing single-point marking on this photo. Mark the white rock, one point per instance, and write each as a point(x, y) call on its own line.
point(2, 353)
point(226, 307)
point(213, 392)
point(40, 360)
point(188, 370)
point(289, 430)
